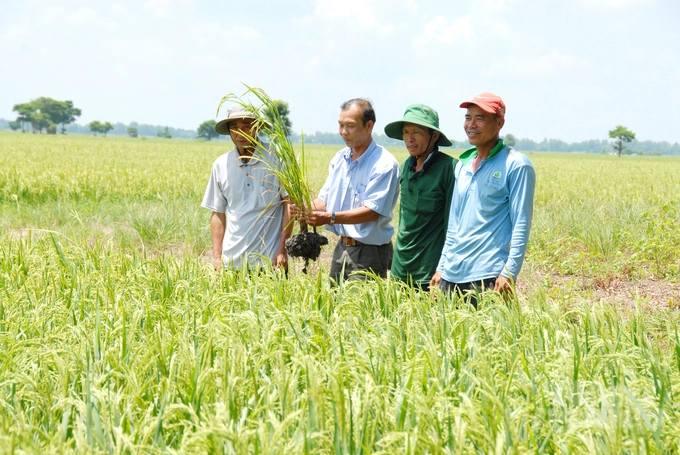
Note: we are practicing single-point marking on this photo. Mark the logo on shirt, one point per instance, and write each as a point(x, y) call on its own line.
point(497, 175)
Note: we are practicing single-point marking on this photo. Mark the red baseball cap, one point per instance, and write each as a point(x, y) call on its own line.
point(488, 102)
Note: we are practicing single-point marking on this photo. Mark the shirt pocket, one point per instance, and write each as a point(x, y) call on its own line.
point(493, 192)
point(266, 187)
point(359, 195)
point(429, 203)
point(495, 180)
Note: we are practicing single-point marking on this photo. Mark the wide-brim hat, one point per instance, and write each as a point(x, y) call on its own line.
point(235, 112)
point(418, 114)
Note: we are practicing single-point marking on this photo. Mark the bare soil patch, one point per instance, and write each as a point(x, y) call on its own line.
point(654, 294)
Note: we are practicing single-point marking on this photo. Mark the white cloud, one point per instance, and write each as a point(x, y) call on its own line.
point(439, 30)
point(159, 8)
point(82, 15)
point(412, 5)
point(614, 3)
point(553, 65)
point(355, 9)
point(498, 4)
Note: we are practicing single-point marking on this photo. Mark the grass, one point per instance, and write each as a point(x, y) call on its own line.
point(116, 336)
point(603, 215)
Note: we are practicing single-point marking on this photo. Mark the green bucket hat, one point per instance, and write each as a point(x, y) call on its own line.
point(419, 114)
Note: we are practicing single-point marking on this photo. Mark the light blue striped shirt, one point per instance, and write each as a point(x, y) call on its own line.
point(490, 218)
point(372, 180)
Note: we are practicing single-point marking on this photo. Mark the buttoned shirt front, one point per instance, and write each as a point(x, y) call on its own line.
point(371, 181)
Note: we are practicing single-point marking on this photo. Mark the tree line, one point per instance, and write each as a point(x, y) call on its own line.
point(47, 114)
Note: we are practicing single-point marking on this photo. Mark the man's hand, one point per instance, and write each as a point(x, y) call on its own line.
point(310, 217)
point(281, 259)
point(217, 263)
point(436, 279)
point(504, 286)
point(317, 218)
point(295, 211)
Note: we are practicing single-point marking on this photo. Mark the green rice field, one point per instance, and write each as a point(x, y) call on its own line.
point(118, 337)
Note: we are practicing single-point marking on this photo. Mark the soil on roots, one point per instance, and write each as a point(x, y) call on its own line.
point(306, 245)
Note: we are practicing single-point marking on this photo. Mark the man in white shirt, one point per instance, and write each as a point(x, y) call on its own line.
point(250, 219)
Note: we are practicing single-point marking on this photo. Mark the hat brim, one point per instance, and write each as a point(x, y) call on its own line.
point(483, 106)
point(222, 127)
point(395, 130)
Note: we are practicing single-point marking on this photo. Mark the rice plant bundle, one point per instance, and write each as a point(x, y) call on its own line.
point(271, 134)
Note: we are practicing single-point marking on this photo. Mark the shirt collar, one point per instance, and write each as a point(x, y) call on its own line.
point(426, 163)
point(258, 155)
point(469, 154)
point(371, 147)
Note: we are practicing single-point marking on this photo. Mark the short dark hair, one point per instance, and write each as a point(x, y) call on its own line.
point(367, 111)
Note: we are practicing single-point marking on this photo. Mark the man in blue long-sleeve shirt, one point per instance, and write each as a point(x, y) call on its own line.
point(491, 209)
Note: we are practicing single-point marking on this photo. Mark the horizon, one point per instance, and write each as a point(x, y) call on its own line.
point(379, 137)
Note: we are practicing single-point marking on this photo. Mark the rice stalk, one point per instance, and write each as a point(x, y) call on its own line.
point(290, 171)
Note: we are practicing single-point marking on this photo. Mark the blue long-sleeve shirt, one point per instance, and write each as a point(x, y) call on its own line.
point(490, 217)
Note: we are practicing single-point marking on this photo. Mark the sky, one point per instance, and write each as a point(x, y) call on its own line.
point(567, 69)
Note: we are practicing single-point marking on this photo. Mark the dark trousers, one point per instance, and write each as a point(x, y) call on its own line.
point(347, 260)
point(470, 291)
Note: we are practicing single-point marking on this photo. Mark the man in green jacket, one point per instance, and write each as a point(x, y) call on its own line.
point(426, 183)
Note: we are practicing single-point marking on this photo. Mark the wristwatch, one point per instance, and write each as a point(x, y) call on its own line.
point(332, 218)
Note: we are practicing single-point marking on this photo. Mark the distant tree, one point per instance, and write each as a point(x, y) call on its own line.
point(164, 133)
point(282, 112)
point(15, 125)
point(30, 114)
point(509, 140)
point(40, 121)
point(132, 131)
point(105, 128)
point(60, 112)
point(46, 113)
point(621, 134)
point(95, 126)
point(25, 113)
point(207, 129)
point(51, 111)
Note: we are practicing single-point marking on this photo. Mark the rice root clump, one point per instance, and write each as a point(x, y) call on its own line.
point(306, 245)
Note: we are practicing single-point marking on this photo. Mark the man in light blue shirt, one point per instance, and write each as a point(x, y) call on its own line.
point(357, 201)
point(491, 208)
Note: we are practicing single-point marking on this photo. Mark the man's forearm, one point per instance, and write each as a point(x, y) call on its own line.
point(319, 204)
point(218, 226)
point(522, 187)
point(287, 227)
point(354, 216)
